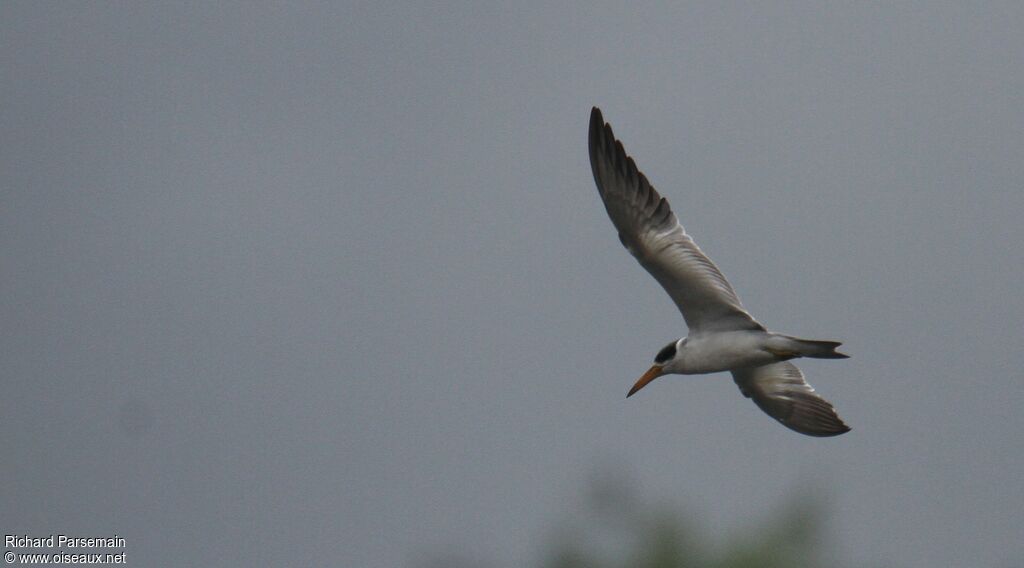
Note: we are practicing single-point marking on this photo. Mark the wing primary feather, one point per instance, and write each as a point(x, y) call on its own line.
point(661, 213)
point(779, 389)
point(649, 229)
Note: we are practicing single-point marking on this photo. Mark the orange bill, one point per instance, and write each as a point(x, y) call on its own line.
point(653, 373)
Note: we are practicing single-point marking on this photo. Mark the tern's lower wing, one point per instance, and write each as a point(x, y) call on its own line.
point(780, 390)
point(649, 229)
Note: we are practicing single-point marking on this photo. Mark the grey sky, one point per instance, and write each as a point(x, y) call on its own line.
point(331, 284)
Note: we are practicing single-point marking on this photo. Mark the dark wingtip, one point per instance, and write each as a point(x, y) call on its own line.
point(839, 431)
point(598, 139)
point(596, 122)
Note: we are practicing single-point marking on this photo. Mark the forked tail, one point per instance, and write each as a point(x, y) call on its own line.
point(818, 349)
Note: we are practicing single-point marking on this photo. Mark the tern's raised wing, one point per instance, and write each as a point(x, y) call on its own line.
point(780, 390)
point(651, 232)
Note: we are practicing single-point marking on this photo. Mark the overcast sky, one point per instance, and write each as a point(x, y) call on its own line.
point(331, 284)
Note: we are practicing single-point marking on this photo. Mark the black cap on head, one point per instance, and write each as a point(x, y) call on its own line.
point(666, 353)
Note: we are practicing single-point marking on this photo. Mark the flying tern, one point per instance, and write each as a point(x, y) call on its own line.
point(723, 336)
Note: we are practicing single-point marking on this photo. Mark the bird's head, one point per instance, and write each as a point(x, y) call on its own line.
point(669, 360)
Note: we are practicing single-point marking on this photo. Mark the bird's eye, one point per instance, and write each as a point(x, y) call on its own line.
point(667, 352)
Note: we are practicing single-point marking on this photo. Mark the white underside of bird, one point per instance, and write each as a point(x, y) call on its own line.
point(723, 336)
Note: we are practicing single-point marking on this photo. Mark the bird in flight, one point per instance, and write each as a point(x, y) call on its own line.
point(723, 336)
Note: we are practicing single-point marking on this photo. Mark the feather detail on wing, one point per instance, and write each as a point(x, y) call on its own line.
point(780, 390)
point(650, 231)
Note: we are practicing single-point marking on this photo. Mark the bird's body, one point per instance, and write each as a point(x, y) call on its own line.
point(724, 350)
point(719, 351)
point(723, 335)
